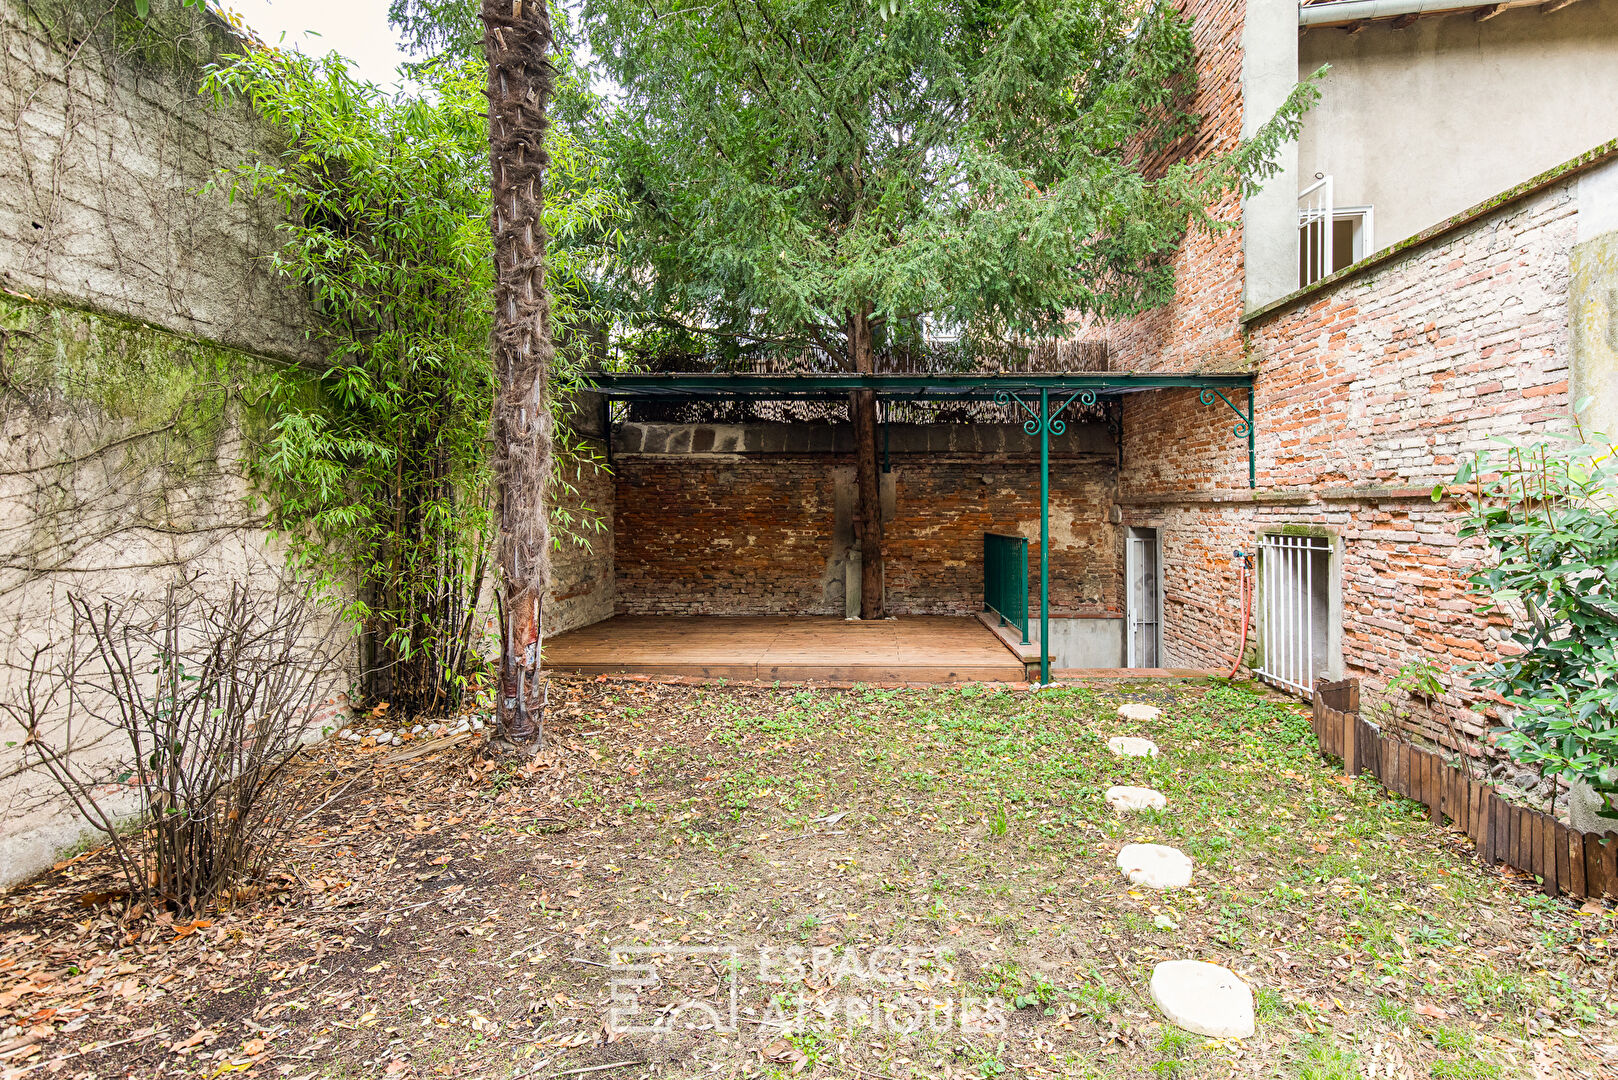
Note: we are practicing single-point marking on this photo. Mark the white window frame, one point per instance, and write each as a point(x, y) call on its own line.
point(1316, 203)
point(1364, 230)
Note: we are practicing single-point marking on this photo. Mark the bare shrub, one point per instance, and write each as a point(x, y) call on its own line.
point(191, 708)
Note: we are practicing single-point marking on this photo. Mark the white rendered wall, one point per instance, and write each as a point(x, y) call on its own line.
point(1424, 122)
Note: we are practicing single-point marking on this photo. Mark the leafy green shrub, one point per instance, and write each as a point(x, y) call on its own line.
point(376, 466)
point(1548, 512)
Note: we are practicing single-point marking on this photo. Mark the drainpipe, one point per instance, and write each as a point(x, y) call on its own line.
point(1339, 12)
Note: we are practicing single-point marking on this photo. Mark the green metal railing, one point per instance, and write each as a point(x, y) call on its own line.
point(1005, 579)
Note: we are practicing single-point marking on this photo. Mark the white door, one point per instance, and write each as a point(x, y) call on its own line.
point(1143, 606)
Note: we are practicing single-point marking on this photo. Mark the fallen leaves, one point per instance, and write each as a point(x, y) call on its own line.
point(426, 872)
point(782, 1052)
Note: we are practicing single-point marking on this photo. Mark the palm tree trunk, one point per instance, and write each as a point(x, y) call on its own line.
point(516, 42)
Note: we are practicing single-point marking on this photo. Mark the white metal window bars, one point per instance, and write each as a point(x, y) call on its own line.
point(1288, 578)
point(1315, 215)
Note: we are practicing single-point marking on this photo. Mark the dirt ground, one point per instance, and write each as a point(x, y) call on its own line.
point(743, 881)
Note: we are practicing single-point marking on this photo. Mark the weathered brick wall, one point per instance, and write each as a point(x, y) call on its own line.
point(935, 541)
point(582, 586)
point(725, 533)
point(703, 535)
point(1369, 391)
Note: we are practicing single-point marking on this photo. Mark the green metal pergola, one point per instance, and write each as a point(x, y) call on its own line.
point(1034, 393)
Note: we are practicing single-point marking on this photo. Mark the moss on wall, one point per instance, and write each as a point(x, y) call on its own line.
point(174, 402)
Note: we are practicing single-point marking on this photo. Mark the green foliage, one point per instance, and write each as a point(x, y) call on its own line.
point(450, 32)
point(1420, 677)
point(376, 466)
point(987, 165)
point(1547, 512)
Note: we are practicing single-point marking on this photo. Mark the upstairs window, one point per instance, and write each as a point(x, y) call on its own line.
point(1330, 237)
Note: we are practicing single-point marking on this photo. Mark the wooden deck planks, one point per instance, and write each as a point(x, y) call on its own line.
point(927, 649)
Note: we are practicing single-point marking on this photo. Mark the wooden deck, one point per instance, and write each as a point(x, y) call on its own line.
point(915, 649)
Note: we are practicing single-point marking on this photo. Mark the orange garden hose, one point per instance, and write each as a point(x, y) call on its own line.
point(1244, 563)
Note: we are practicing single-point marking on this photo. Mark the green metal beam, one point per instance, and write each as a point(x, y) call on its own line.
point(1243, 428)
point(1045, 422)
point(626, 385)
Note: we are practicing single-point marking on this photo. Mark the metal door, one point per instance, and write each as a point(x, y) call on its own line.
point(1294, 587)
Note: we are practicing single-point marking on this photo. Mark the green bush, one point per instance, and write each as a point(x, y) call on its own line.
point(1548, 512)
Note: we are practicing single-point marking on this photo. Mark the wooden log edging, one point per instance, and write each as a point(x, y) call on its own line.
point(1567, 861)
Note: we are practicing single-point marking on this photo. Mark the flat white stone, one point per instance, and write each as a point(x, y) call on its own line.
point(1204, 998)
point(1135, 798)
point(1134, 710)
point(1155, 866)
point(1130, 746)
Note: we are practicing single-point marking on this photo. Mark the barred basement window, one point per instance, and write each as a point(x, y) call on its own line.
point(1297, 616)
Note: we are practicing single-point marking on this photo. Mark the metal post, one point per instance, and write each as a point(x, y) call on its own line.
point(1252, 468)
point(1044, 537)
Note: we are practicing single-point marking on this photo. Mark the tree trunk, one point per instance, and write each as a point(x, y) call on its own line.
point(516, 42)
point(868, 522)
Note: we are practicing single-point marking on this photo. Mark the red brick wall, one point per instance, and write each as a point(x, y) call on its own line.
point(717, 536)
point(581, 582)
point(754, 535)
point(1200, 328)
point(942, 510)
point(1381, 382)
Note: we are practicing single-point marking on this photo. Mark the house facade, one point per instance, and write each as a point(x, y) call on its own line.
point(1433, 268)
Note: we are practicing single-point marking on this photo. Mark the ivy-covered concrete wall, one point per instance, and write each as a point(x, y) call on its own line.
point(108, 151)
point(139, 319)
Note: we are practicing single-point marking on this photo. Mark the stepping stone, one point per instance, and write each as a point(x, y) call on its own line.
point(1135, 798)
point(1203, 998)
point(1155, 866)
point(1134, 710)
point(1129, 746)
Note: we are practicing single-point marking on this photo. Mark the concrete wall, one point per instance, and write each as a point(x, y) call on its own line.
point(139, 319)
point(107, 145)
point(758, 519)
point(1422, 122)
point(1269, 217)
point(1593, 301)
point(1084, 643)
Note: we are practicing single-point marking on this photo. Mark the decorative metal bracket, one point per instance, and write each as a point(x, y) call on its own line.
point(1243, 428)
point(1051, 423)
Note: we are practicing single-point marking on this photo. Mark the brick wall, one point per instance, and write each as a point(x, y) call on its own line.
point(1200, 328)
point(935, 542)
point(767, 532)
point(582, 586)
point(1369, 391)
point(707, 536)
